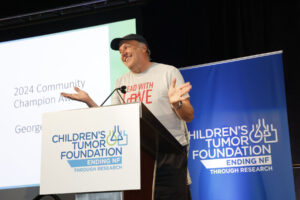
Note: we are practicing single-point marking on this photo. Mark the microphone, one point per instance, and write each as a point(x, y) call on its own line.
point(122, 89)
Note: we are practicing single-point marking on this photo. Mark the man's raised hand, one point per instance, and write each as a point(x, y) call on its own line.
point(176, 94)
point(80, 96)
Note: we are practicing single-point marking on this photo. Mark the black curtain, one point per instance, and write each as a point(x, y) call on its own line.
point(186, 33)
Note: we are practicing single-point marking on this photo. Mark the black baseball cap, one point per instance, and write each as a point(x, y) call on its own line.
point(115, 43)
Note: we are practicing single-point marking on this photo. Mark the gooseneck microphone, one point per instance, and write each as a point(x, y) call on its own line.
point(122, 89)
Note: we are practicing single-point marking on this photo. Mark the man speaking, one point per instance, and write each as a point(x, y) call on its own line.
point(162, 89)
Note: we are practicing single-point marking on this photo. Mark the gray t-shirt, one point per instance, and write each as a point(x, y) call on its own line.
point(151, 87)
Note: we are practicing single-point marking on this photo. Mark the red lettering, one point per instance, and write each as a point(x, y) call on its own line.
point(148, 95)
point(132, 98)
point(134, 88)
point(150, 85)
point(141, 86)
point(131, 88)
point(141, 97)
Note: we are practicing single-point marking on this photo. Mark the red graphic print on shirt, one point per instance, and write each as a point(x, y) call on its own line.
point(141, 92)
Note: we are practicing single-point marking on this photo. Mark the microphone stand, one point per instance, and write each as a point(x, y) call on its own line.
point(109, 96)
point(120, 95)
point(122, 89)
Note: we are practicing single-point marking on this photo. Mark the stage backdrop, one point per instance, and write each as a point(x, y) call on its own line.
point(239, 137)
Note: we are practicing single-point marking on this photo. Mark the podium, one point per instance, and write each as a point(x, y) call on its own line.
point(111, 148)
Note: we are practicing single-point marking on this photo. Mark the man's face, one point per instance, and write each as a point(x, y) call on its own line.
point(131, 53)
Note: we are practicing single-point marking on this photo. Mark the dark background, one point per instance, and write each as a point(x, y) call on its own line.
point(184, 33)
point(181, 33)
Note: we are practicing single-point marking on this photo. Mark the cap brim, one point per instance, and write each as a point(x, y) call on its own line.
point(115, 43)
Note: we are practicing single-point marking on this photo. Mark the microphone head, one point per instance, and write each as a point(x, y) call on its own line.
point(123, 89)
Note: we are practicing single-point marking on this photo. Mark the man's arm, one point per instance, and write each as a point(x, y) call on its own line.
point(179, 102)
point(80, 96)
point(185, 111)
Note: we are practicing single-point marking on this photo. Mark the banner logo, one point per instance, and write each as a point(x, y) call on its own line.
point(94, 151)
point(238, 149)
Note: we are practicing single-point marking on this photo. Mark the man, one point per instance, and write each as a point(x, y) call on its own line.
point(162, 89)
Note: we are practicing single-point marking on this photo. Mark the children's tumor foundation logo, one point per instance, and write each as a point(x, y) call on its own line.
point(93, 150)
point(263, 132)
point(238, 149)
point(117, 137)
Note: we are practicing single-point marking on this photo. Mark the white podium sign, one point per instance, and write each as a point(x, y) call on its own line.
point(91, 150)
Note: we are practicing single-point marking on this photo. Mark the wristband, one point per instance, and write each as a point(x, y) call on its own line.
point(177, 107)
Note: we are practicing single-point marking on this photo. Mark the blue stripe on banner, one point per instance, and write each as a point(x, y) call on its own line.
point(19, 186)
point(239, 136)
point(95, 162)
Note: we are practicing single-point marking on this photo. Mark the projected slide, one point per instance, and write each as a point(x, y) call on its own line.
point(34, 73)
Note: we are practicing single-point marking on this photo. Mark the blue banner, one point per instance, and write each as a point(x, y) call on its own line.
point(239, 137)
